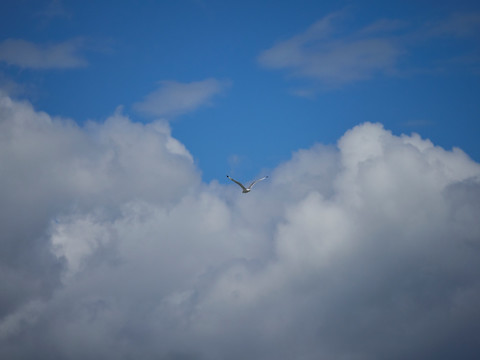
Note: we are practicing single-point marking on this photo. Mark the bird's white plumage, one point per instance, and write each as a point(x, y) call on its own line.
point(249, 188)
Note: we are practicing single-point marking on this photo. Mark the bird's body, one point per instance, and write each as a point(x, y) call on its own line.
point(249, 188)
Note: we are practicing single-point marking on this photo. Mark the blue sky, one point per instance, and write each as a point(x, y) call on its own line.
point(251, 82)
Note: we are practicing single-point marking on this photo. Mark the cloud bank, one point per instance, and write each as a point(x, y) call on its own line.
point(111, 247)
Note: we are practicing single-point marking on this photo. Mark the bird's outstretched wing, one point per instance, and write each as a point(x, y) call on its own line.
point(253, 183)
point(238, 183)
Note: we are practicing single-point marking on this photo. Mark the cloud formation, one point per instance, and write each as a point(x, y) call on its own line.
point(26, 54)
point(112, 247)
point(327, 54)
point(173, 98)
point(316, 53)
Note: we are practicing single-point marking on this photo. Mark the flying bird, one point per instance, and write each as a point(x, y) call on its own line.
point(249, 188)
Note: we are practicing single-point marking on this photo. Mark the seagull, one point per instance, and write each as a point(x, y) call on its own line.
point(249, 188)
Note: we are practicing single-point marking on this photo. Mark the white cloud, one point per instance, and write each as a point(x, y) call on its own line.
point(26, 54)
point(321, 54)
point(111, 247)
point(328, 54)
point(173, 98)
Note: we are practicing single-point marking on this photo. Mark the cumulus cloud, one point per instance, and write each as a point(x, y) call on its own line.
point(112, 247)
point(173, 98)
point(26, 54)
point(325, 52)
